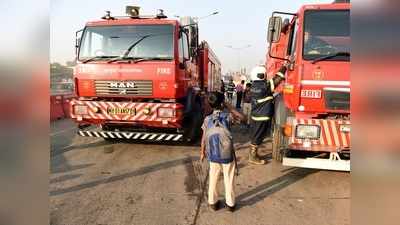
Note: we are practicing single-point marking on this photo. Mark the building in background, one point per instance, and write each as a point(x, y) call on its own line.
point(237, 76)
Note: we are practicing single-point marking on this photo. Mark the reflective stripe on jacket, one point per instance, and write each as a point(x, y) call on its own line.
point(262, 96)
point(262, 100)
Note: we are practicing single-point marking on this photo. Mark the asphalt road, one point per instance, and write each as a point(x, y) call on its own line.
point(93, 182)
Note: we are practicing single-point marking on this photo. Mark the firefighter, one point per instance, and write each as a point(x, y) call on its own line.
point(262, 108)
point(230, 89)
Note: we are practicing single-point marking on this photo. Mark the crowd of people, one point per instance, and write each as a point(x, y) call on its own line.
point(240, 90)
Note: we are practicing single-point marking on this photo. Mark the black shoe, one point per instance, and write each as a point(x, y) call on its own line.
point(231, 208)
point(215, 206)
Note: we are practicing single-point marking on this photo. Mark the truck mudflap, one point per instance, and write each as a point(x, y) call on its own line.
point(334, 162)
point(132, 135)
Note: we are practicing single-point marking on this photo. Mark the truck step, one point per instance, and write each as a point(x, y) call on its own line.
point(132, 135)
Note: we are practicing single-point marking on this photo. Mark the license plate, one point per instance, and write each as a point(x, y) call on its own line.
point(311, 93)
point(121, 111)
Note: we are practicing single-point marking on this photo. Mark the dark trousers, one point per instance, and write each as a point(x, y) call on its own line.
point(259, 131)
point(239, 100)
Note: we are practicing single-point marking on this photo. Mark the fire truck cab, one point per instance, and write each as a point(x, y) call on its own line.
point(312, 106)
point(142, 77)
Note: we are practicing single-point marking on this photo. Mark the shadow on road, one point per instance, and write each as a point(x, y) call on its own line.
point(240, 135)
point(64, 178)
point(66, 167)
point(56, 152)
point(263, 191)
point(163, 143)
point(139, 172)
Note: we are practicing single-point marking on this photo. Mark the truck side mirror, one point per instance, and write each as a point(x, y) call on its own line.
point(183, 30)
point(274, 29)
point(193, 53)
point(193, 46)
point(78, 42)
point(78, 36)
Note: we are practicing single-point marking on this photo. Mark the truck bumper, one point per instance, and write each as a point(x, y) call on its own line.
point(334, 136)
point(132, 135)
point(334, 162)
point(136, 113)
point(323, 152)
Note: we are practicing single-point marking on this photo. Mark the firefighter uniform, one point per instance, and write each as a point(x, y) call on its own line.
point(262, 110)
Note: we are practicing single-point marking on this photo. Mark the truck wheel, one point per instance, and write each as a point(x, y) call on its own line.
point(192, 128)
point(193, 120)
point(279, 119)
point(277, 143)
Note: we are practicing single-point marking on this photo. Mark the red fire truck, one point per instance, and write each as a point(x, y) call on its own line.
point(312, 107)
point(142, 78)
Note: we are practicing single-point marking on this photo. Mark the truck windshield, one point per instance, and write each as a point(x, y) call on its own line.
point(326, 33)
point(105, 42)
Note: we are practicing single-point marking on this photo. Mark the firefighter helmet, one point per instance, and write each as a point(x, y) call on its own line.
point(258, 73)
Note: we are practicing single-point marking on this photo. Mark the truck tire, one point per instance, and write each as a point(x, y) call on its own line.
point(277, 142)
point(192, 128)
point(280, 115)
point(193, 118)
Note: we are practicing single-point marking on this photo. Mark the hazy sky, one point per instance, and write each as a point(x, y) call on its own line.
point(239, 23)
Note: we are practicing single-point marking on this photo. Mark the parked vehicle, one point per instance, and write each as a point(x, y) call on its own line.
point(312, 115)
point(142, 77)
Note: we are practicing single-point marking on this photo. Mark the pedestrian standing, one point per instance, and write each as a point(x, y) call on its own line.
point(222, 90)
point(217, 144)
point(239, 94)
point(247, 103)
point(230, 90)
point(262, 109)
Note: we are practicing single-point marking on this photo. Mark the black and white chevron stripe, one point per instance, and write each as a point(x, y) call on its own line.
point(132, 135)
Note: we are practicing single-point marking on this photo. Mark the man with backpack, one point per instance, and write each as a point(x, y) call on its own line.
point(217, 145)
point(262, 108)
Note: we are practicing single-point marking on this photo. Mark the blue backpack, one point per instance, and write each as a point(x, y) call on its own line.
point(218, 139)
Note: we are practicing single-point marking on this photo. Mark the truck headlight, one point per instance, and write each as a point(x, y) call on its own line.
point(166, 112)
point(80, 109)
point(308, 131)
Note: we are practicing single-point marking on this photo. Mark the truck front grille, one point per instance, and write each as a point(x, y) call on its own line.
point(124, 88)
point(337, 100)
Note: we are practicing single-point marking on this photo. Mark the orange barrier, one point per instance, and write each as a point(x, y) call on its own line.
point(59, 105)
